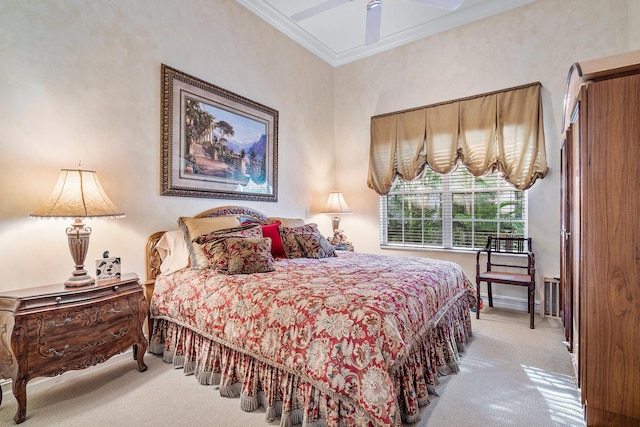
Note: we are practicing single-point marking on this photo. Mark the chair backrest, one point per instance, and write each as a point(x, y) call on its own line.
point(509, 245)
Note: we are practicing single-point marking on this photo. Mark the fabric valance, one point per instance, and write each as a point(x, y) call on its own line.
point(501, 131)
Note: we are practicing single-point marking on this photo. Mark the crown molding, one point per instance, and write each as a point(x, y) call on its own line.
point(461, 17)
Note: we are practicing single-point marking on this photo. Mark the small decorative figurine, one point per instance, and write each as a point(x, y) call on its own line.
point(339, 240)
point(107, 268)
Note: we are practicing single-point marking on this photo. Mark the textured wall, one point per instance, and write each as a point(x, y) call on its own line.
point(536, 42)
point(80, 80)
point(634, 28)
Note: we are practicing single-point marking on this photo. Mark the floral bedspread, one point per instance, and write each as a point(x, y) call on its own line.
point(343, 324)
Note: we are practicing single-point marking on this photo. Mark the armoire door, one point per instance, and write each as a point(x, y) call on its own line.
point(610, 323)
point(566, 278)
point(573, 220)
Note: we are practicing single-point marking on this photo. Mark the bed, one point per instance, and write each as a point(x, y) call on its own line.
point(342, 339)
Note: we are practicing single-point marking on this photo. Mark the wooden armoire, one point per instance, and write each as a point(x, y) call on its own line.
point(600, 242)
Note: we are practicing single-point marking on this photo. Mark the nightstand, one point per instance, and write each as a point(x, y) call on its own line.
point(49, 330)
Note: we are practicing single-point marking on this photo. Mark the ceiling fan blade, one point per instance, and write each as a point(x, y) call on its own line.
point(374, 18)
point(442, 4)
point(322, 7)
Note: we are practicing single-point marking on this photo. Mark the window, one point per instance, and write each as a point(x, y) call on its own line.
point(453, 211)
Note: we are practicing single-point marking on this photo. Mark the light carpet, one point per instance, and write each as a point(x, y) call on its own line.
point(509, 375)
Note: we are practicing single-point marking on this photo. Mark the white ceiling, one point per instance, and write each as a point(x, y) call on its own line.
point(337, 35)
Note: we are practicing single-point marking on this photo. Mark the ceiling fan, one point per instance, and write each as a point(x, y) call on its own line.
point(374, 13)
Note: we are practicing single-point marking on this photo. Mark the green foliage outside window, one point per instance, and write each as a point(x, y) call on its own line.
point(456, 211)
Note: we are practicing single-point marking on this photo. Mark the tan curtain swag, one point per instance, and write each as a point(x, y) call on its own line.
point(382, 153)
point(410, 157)
point(477, 129)
point(442, 137)
point(501, 131)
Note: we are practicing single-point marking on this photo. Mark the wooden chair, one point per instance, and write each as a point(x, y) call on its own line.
point(510, 246)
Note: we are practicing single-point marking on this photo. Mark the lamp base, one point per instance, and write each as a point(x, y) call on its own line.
point(335, 223)
point(78, 236)
point(76, 281)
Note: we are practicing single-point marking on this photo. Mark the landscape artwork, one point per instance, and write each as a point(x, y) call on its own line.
point(216, 144)
point(220, 144)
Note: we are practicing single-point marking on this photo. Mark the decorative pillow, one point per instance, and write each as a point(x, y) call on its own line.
point(249, 255)
point(287, 222)
point(314, 245)
point(173, 252)
point(272, 231)
point(195, 227)
point(212, 244)
point(289, 242)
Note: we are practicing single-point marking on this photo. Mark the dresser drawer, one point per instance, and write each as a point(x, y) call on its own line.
point(55, 331)
point(71, 338)
point(75, 296)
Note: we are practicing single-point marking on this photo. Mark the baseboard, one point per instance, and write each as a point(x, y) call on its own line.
point(512, 303)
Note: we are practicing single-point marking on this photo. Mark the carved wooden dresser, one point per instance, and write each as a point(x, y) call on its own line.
point(48, 330)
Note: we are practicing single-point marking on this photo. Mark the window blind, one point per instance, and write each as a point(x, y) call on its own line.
point(455, 211)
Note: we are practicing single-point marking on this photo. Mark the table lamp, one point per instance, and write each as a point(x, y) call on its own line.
point(77, 195)
point(337, 206)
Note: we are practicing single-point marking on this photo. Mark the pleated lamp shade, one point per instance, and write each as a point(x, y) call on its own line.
point(336, 204)
point(78, 194)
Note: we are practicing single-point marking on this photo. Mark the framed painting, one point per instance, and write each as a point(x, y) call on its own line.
point(216, 144)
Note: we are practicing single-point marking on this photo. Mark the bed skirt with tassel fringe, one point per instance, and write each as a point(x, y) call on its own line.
point(287, 396)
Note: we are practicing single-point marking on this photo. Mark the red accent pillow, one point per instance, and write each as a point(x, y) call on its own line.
point(271, 231)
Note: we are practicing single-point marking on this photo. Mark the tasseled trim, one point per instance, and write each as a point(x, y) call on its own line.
point(167, 358)
point(208, 378)
point(156, 347)
point(296, 416)
point(274, 412)
point(178, 361)
point(249, 403)
point(411, 419)
point(433, 353)
point(424, 401)
point(189, 367)
point(285, 420)
point(316, 423)
point(231, 391)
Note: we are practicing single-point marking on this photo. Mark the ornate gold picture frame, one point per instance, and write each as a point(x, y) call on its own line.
point(216, 144)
